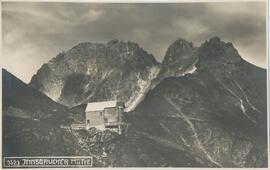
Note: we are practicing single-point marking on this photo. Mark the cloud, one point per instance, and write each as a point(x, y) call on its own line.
point(36, 32)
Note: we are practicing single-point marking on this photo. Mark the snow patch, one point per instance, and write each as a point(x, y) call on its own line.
point(192, 69)
point(88, 72)
point(144, 87)
point(248, 101)
point(86, 87)
point(53, 90)
point(106, 74)
point(244, 110)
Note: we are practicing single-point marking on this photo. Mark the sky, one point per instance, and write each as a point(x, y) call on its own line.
point(33, 33)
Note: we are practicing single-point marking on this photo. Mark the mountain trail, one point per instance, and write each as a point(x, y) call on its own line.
point(162, 141)
point(201, 147)
point(244, 94)
point(244, 110)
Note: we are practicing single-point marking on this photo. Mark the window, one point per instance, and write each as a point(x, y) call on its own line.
point(100, 113)
point(88, 121)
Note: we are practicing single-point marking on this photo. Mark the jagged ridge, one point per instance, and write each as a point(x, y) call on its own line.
point(95, 72)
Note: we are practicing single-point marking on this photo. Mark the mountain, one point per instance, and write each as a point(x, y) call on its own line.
point(35, 125)
point(31, 122)
point(214, 117)
point(20, 100)
point(96, 72)
point(202, 107)
point(180, 59)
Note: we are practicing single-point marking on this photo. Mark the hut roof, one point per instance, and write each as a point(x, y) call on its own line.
point(98, 106)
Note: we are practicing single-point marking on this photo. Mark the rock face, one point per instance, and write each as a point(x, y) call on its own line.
point(207, 107)
point(215, 117)
point(180, 59)
point(183, 58)
point(31, 122)
point(96, 72)
point(33, 126)
point(22, 101)
point(218, 55)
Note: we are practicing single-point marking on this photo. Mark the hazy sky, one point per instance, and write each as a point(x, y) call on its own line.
point(33, 33)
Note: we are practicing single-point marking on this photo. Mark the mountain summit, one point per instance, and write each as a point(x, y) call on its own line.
point(179, 59)
point(183, 58)
point(95, 72)
point(216, 54)
point(213, 117)
point(202, 107)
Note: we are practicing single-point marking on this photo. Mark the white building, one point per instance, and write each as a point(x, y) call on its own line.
point(104, 115)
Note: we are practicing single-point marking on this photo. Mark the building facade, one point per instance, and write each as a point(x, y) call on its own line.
point(104, 115)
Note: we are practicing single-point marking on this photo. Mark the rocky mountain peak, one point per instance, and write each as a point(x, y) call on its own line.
point(85, 47)
point(177, 49)
point(112, 42)
point(207, 119)
point(179, 58)
point(181, 43)
point(217, 53)
point(96, 72)
point(183, 58)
